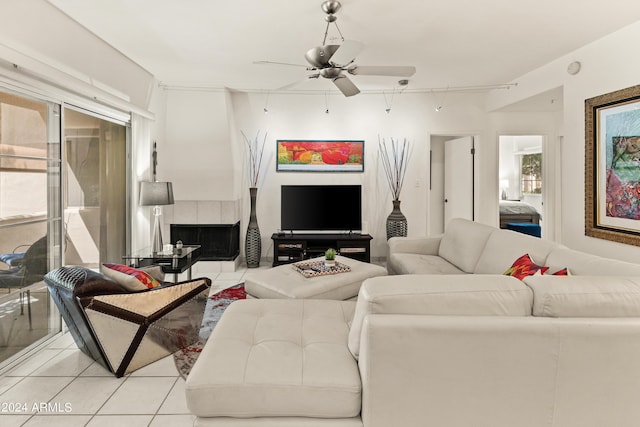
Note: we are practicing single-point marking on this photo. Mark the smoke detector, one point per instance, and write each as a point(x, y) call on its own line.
point(574, 68)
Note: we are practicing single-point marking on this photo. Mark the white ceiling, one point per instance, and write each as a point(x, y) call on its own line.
point(452, 43)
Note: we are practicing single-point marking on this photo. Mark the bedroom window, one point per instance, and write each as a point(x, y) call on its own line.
point(531, 173)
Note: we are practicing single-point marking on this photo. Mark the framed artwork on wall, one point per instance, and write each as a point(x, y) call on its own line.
point(319, 156)
point(612, 166)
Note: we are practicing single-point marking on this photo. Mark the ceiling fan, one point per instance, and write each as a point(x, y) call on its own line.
point(335, 61)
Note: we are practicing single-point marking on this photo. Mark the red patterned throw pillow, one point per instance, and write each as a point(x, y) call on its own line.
point(129, 277)
point(523, 267)
point(562, 272)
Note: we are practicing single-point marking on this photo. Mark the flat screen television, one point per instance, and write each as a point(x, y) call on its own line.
point(321, 208)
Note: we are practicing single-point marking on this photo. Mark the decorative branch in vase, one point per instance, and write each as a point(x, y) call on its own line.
point(395, 159)
point(253, 240)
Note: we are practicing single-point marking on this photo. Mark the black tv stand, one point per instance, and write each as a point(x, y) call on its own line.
point(293, 247)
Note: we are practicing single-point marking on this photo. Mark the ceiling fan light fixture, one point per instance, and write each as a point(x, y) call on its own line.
point(330, 73)
point(330, 60)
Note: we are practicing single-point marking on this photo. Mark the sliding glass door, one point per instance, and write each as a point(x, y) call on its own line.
point(95, 183)
point(30, 219)
point(60, 203)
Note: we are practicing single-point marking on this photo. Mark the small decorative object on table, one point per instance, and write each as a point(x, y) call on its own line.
point(330, 257)
point(316, 267)
point(394, 161)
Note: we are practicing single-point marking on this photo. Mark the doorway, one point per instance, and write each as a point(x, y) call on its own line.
point(451, 183)
point(521, 184)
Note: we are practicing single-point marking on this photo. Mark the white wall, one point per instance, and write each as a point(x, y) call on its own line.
point(607, 65)
point(195, 150)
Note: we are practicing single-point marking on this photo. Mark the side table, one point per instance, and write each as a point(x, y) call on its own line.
point(172, 262)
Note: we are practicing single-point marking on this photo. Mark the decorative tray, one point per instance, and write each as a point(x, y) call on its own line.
point(316, 267)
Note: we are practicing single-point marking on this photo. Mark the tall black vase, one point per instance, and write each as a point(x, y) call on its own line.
point(396, 222)
point(253, 242)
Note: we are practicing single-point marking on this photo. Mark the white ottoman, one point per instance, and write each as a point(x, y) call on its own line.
point(285, 282)
point(278, 358)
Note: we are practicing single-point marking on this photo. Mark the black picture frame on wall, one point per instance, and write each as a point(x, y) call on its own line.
point(296, 155)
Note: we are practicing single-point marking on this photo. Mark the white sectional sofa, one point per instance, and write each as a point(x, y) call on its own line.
point(442, 350)
point(473, 248)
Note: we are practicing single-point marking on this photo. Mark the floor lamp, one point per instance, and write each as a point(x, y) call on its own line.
point(156, 194)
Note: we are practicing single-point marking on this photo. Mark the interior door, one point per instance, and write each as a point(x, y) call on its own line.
point(458, 179)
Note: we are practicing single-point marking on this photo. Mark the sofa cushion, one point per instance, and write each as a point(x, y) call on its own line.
point(426, 245)
point(585, 296)
point(270, 358)
point(466, 295)
point(405, 263)
point(581, 263)
point(463, 243)
point(504, 245)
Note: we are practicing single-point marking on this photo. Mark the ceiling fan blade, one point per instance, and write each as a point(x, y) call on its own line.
point(373, 70)
point(278, 63)
point(347, 52)
point(346, 86)
point(296, 83)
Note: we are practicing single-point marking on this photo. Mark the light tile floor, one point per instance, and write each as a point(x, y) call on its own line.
point(60, 386)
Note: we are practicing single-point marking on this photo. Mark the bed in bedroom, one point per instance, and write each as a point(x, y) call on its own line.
point(517, 212)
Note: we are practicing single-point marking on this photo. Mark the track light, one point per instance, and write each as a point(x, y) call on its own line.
point(266, 104)
point(326, 102)
point(439, 106)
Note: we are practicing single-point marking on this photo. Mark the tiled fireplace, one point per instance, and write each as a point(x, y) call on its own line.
point(219, 242)
point(215, 225)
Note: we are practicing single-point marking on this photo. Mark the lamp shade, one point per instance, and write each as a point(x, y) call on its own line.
point(156, 193)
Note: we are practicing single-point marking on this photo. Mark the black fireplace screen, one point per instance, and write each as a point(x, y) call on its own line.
point(219, 242)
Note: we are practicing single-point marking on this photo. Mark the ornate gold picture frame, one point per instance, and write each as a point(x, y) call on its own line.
point(612, 166)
